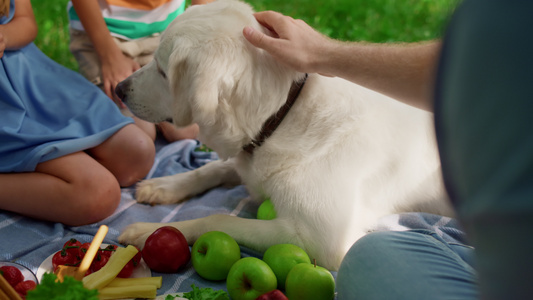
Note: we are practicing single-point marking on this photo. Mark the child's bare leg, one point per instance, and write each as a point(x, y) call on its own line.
point(73, 189)
point(128, 154)
point(147, 127)
point(173, 133)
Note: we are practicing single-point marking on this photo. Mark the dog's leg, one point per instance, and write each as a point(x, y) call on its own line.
point(258, 234)
point(255, 234)
point(178, 187)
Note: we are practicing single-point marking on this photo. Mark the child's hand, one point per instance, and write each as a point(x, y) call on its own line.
point(114, 71)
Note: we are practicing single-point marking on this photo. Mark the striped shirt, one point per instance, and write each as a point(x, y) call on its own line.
point(133, 19)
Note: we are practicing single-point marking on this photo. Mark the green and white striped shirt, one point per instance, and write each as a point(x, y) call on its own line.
point(133, 19)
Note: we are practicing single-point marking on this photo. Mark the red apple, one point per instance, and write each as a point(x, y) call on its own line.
point(166, 250)
point(273, 295)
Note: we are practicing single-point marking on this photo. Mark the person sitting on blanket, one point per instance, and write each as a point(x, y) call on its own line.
point(483, 106)
point(65, 149)
point(111, 39)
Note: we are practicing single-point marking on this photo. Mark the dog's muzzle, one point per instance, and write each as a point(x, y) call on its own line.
point(121, 90)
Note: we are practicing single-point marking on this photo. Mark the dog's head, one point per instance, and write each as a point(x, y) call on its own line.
point(205, 72)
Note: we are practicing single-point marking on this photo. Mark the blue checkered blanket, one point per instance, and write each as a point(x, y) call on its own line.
point(29, 242)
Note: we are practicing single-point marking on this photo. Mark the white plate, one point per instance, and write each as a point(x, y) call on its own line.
point(142, 270)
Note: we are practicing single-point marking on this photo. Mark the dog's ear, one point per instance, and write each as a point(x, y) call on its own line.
point(209, 70)
point(206, 91)
point(194, 81)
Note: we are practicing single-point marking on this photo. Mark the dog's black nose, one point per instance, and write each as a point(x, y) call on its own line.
point(120, 90)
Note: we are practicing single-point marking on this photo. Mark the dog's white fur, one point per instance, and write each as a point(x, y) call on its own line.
point(342, 158)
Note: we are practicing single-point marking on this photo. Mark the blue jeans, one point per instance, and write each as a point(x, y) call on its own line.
point(415, 264)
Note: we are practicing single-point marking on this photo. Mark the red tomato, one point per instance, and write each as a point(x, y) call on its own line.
point(72, 246)
point(108, 251)
point(24, 286)
point(11, 274)
point(63, 257)
point(137, 258)
point(83, 249)
point(98, 262)
point(127, 270)
point(166, 250)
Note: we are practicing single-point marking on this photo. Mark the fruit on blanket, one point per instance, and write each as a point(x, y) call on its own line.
point(213, 254)
point(62, 257)
point(250, 278)
point(266, 210)
point(83, 249)
point(72, 247)
point(99, 262)
point(137, 258)
point(127, 270)
point(282, 258)
point(18, 278)
point(12, 275)
point(273, 295)
point(166, 250)
point(108, 250)
point(310, 282)
point(24, 286)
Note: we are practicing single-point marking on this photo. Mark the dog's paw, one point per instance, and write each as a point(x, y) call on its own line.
point(158, 191)
point(137, 233)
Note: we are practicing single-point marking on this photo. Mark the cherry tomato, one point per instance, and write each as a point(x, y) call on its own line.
point(11, 274)
point(72, 246)
point(108, 251)
point(24, 286)
point(83, 249)
point(98, 262)
point(63, 257)
point(137, 258)
point(127, 270)
point(166, 250)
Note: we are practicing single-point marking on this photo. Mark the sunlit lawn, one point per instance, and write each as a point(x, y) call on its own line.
point(355, 20)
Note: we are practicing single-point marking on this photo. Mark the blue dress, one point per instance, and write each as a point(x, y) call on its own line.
point(48, 111)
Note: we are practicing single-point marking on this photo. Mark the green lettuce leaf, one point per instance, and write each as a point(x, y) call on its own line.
point(205, 294)
point(69, 289)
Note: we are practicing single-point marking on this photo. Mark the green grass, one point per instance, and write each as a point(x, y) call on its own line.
point(349, 20)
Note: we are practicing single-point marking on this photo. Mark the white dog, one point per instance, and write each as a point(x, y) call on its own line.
point(342, 157)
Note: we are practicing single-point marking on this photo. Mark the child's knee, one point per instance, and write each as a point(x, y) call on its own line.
point(138, 161)
point(95, 200)
point(129, 155)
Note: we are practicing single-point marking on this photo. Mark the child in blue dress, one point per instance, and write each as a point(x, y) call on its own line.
point(65, 149)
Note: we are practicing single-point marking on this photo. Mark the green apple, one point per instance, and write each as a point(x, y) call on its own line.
point(282, 258)
point(266, 210)
point(250, 278)
point(213, 254)
point(310, 282)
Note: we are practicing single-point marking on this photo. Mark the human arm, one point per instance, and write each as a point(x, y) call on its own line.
point(196, 2)
point(401, 71)
point(115, 66)
point(21, 30)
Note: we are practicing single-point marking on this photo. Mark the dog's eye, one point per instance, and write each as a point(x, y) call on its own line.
point(162, 73)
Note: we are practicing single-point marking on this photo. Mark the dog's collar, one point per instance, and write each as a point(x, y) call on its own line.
point(273, 122)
